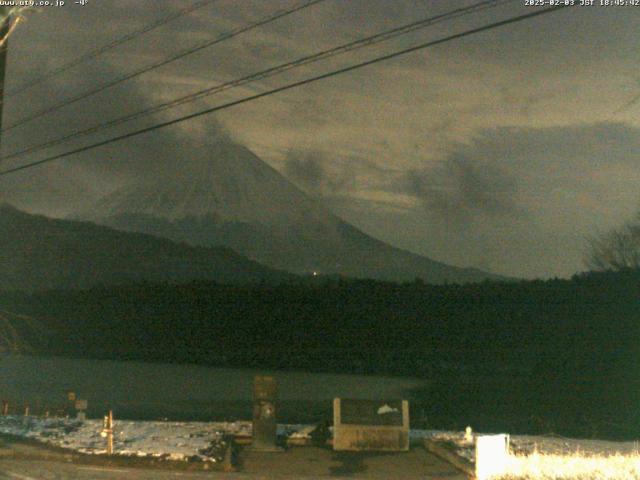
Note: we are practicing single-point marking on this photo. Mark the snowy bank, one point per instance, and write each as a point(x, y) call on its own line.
point(555, 457)
point(197, 441)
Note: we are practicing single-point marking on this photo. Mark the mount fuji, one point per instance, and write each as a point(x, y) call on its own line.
point(225, 195)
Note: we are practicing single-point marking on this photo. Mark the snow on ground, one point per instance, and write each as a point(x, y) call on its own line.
point(205, 441)
point(542, 450)
point(544, 445)
point(577, 466)
point(172, 440)
point(202, 441)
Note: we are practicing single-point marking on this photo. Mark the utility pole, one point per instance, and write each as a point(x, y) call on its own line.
point(4, 32)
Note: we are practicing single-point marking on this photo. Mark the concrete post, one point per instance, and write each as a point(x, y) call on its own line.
point(81, 409)
point(107, 432)
point(265, 393)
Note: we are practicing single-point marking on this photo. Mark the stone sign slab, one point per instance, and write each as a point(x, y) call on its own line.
point(377, 425)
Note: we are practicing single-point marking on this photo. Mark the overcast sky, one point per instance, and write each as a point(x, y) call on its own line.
point(502, 151)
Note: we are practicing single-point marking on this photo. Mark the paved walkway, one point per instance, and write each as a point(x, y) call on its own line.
point(28, 462)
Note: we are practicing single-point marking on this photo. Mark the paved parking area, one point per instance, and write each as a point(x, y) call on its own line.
point(310, 462)
point(30, 462)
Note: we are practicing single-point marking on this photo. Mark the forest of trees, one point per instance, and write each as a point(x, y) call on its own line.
point(560, 355)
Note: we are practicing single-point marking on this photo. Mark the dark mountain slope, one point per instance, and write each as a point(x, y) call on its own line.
point(38, 253)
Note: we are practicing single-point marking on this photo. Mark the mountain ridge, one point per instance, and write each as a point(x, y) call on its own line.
point(224, 194)
point(40, 253)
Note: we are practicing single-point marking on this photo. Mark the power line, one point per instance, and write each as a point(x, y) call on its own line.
point(115, 43)
point(225, 36)
point(289, 86)
point(308, 59)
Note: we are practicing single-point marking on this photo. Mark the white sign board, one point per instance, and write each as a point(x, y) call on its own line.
point(492, 455)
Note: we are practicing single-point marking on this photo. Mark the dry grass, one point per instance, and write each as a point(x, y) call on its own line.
point(577, 466)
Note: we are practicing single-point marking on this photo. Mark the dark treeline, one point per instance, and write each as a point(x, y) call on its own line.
point(556, 355)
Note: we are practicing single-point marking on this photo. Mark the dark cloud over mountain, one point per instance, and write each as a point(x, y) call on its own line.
point(311, 171)
point(462, 187)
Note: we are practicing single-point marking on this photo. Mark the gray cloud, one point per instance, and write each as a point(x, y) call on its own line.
point(610, 33)
point(522, 99)
point(518, 200)
point(60, 187)
point(588, 145)
point(305, 169)
point(552, 167)
point(314, 172)
point(464, 186)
